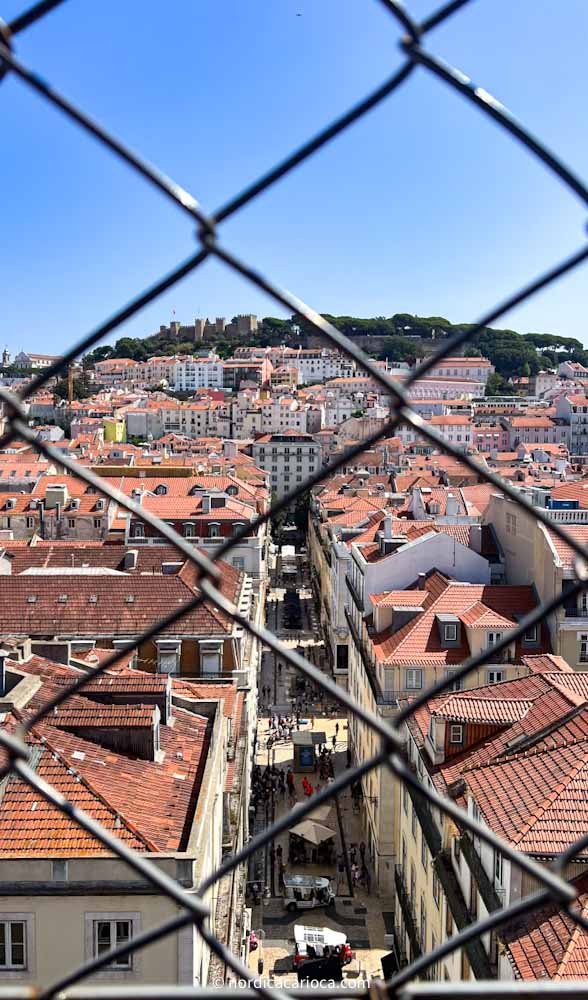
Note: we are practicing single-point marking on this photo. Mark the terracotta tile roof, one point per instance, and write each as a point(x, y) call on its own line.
point(81, 714)
point(419, 642)
point(31, 827)
point(566, 555)
point(537, 801)
point(493, 710)
point(110, 606)
point(547, 663)
point(547, 943)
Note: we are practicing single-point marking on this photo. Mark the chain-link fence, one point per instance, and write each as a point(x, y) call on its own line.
point(193, 909)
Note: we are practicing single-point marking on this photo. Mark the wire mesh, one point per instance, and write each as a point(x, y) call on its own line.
point(193, 909)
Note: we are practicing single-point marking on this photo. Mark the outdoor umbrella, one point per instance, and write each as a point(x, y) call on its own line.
point(314, 832)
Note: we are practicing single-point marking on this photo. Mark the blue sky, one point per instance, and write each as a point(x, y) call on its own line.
point(424, 206)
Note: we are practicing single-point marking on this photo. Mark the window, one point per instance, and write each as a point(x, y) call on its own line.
point(214, 529)
point(498, 867)
point(531, 634)
point(450, 633)
point(583, 656)
point(137, 529)
point(13, 945)
point(403, 856)
point(109, 934)
point(495, 676)
point(413, 821)
point(436, 889)
point(71, 522)
point(511, 524)
point(493, 638)
point(412, 884)
point(423, 850)
point(189, 530)
point(414, 678)
point(405, 798)
point(30, 522)
point(456, 734)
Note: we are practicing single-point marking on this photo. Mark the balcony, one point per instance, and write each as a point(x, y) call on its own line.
point(408, 914)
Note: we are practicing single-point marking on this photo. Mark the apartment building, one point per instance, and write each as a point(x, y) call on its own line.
point(536, 430)
point(156, 767)
point(52, 512)
point(478, 369)
point(535, 554)
point(87, 606)
point(289, 458)
point(492, 751)
point(413, 637)
point(574, 410)
point(207, 517)
point(317, 364)
point(191, 374)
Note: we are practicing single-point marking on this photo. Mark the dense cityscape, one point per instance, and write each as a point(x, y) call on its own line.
point(187, 740)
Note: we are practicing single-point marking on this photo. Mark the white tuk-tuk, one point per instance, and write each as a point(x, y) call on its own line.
point(320, 942)
point(304, 892)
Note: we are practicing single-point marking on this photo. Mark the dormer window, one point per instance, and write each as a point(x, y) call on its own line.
point(531, 636)
point(456, 734)
point(160, 490)
point(450, 632)
point(138, 530)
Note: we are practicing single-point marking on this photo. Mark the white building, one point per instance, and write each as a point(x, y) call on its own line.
point(574, 410)
point(191, 374)
point(290, 458)
point(478, 369)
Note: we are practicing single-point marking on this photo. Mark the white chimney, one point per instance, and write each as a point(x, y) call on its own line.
point(387, 527)
point(206, 504)
point(137, 495)
point(452, 506)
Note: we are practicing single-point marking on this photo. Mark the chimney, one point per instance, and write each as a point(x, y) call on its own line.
point(206, 503)
point(387, 527)
point(137, 495)
point(56, 496)
point(476, 538)
point(452, 506)
point(130, 559)
point(421, 581)
point(229, 448)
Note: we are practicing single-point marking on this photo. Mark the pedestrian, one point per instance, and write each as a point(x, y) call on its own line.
point(279, 669)
point(281, 877)
point(279, 853)
point(353, 854)
point(334, 740)
point(336, 729)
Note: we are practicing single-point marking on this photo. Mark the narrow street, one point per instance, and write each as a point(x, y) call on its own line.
point(291, 613)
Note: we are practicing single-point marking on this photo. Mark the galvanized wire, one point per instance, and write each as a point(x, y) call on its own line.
point(194, 909)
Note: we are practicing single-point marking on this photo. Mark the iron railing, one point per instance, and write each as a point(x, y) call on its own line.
point(193, 909)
